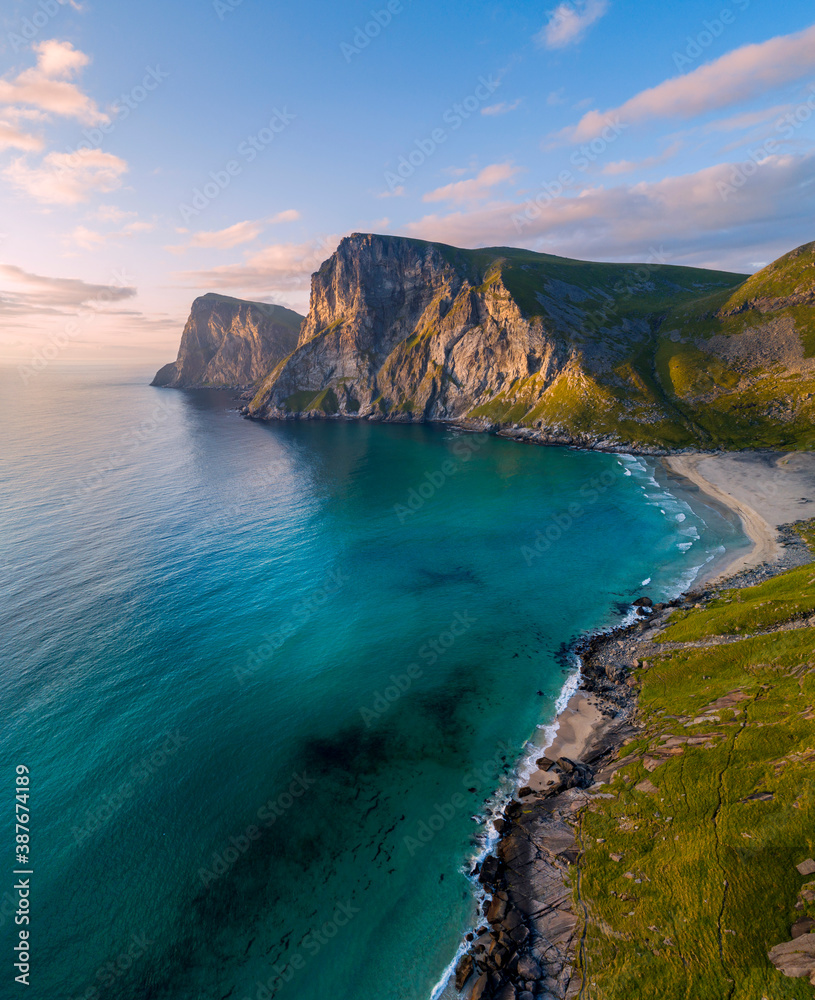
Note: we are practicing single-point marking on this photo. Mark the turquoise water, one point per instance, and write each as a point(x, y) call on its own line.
point(269, 678)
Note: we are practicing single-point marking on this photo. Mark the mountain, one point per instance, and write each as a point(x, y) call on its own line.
point(544, 348)
point(231, 343)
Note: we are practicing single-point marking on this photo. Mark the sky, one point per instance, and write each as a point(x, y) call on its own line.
point(155, 151)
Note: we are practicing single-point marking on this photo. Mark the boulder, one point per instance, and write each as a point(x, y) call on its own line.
point(481, 990)
point(528, 968)
point(796, 959)
point(464, 969)
point(496, 911)
point(489, 870)
point(806, 867)
point(643, 602)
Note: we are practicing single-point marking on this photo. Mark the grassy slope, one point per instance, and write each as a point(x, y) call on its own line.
point(740, 404)
point(644, 371)
point(714, 884)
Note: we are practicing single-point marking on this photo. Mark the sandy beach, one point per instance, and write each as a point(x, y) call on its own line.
point(578, 724)
point(765, 489)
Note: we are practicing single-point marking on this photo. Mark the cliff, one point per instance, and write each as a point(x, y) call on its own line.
point(230, 343)
point(545, 348)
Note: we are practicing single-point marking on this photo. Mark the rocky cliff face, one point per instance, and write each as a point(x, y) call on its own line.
point(542, 348)
point(230, 343)
point(546, 347)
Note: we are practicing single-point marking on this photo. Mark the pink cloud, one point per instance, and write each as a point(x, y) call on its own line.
point(476, 187)
point(569, 22)
point(766, 210)
point(67, 178)
point(48, 85)
point(737, 76)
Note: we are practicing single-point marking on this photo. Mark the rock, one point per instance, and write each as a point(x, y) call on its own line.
point(520, 934)
point(524, 792)
point(230, 342)
point(464, 969)
point(528, 968)
point(513, 809)
point(506, 992)
point(525, 995)
point(643, 602)
point(796, 958)
point(489, 870)
point(481, 990)
point(500, 825)
point(803, 926)
point(407, 330)
point(496, 911)
point(576, 773)
point(806, 867)
point(616, 857)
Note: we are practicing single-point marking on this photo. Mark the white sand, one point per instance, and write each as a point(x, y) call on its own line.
point(765, 490)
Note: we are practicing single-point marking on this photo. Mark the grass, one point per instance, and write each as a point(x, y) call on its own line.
point(641, 336)
point(707, 882)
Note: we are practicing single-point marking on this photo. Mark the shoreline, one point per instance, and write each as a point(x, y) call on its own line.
point(765, 547)
point(525, 935)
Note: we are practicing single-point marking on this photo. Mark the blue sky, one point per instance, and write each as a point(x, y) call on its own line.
point(153, 151)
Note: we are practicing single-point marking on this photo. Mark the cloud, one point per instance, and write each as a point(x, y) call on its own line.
point(767, 209)
point(221, 239)
point(67, 178)
point(12, 137)
point(501, 109)
point(279, 266)
point(739, 75)
point(398, 192)
point(35, 293)
point(289, 215)
point(48, 85)
point(477, 187)
point(112, 213)
point(569, 22)
point(629, 166)
point(91, 239)
point(747, 119)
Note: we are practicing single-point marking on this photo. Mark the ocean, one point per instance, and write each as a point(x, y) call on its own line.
point(271, 680)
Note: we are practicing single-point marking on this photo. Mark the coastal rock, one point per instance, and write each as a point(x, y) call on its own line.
point(528, 968)
point(524, 343)
point(464, 969)
point(229, 343)
point(497, 910)
point(482, 989)
point(489, 870)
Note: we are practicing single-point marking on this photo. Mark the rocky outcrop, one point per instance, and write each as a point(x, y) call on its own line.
point(549, 350)
point(230, 343)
